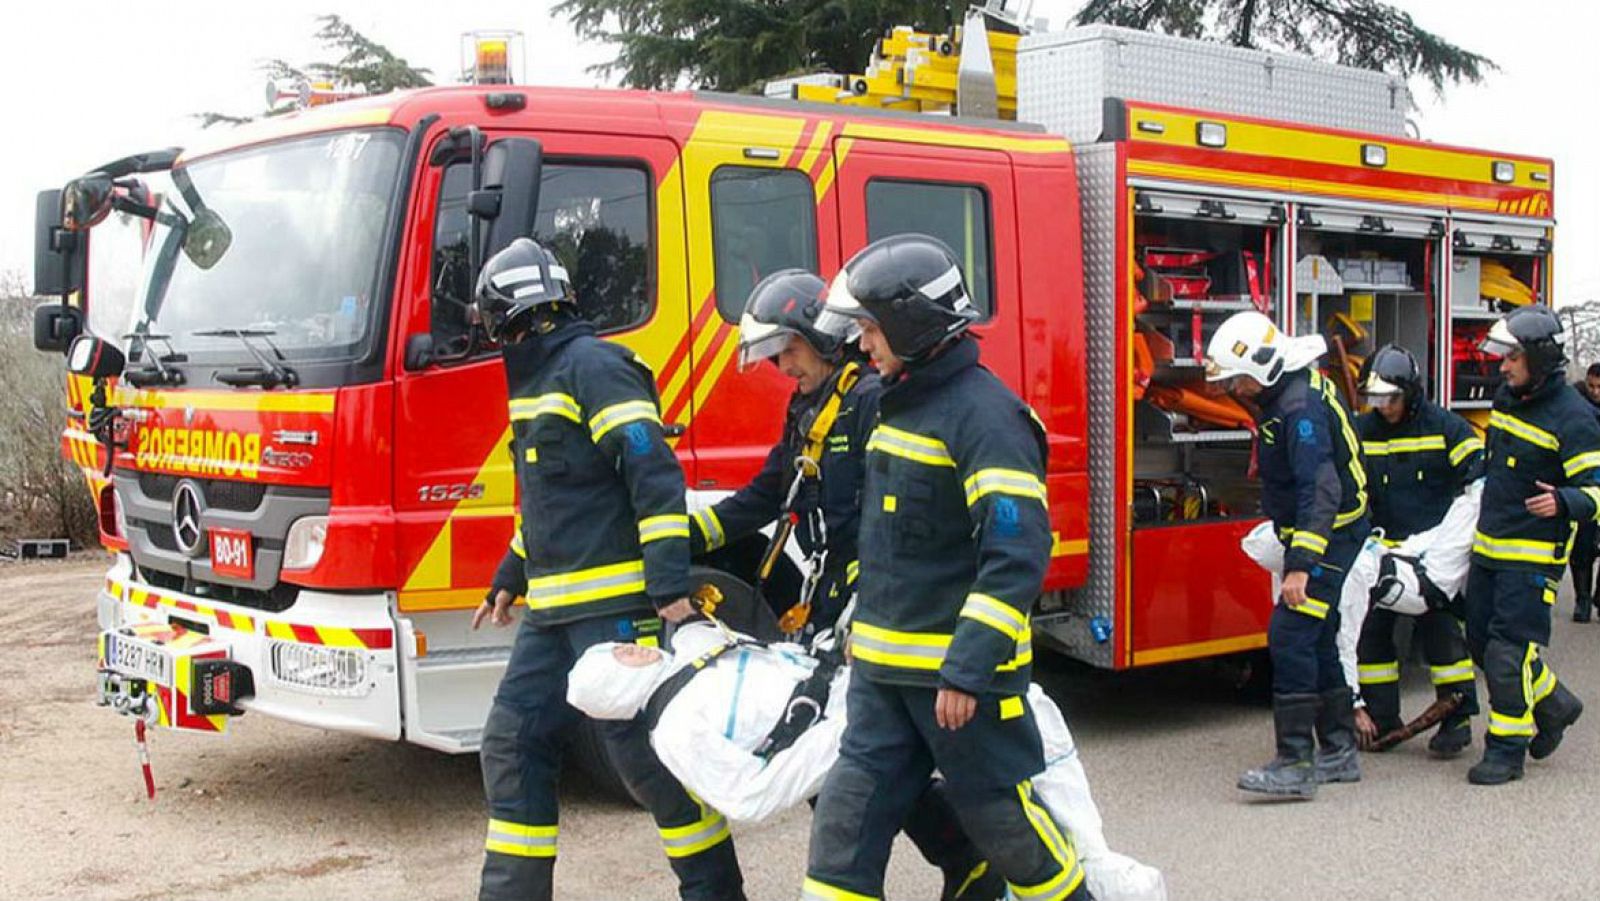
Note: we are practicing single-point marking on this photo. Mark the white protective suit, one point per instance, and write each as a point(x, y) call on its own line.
point(707, 733)
point(1443, 552)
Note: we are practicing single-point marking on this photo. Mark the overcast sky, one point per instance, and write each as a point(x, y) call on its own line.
point(87, 81)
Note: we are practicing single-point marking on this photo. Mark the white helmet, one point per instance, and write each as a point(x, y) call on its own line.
point(1246, 344)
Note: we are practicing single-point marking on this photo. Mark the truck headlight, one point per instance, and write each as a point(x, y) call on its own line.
point(303, 548)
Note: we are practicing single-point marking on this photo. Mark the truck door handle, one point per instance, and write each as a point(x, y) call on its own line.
point(674, 429)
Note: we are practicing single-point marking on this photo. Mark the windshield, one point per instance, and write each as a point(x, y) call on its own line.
point(303, 224)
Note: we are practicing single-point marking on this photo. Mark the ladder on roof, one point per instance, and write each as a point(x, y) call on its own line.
point(970, 71)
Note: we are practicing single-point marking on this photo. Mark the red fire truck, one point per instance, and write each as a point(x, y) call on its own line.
point(307, 484)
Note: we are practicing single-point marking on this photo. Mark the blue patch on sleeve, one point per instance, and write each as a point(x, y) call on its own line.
point(638, 438)
point(1308, 429)
point(1006, 519)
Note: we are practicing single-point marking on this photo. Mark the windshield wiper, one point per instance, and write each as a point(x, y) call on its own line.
point(157, 374)
point(270, 374)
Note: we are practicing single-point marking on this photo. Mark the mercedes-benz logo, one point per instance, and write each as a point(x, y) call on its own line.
point(186, 509)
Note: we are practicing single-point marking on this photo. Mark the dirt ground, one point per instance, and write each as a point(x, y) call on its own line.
point(275, 811)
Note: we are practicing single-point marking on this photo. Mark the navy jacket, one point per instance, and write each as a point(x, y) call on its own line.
point(1312, 483)
point(1417, 466)
point(603, 527)
point(955, 531)
point(1549, 435)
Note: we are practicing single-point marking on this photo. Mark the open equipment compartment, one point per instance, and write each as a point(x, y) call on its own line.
point(1495, 267)
point(1197, 259)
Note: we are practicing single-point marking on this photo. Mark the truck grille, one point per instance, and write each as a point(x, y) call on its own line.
point(224, 494)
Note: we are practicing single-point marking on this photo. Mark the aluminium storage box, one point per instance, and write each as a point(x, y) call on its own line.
point(1064, 77)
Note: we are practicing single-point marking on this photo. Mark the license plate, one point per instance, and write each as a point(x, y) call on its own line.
point(133, 657)
point(232, 554)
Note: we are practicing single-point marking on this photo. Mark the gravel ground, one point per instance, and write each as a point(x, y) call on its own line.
point(279, 811)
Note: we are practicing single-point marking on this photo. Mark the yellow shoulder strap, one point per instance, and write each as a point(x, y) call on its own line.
point(823, 424)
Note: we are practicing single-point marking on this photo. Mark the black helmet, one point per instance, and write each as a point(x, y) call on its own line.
point(515, 282)
point(1392, 370)
point(910, 285)
point(785, 303)
point(1536, 331)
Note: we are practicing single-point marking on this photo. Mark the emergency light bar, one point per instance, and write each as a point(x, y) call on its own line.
point(492, 57)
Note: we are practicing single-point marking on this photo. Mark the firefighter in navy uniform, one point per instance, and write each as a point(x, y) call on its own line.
point(834, 406)
point(1583, 546)
point(955, 540)
point(833, 409)
point(601, 552)
point(1542, 477)
point(1419, 457)
point(1314, 489)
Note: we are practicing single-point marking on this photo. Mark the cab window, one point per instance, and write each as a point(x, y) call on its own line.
point(762, 221)
point(958, 215)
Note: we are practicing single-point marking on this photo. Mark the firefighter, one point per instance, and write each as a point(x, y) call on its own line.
point(955, 540)
point(1313, 488)
point(1419, 457)
point(601, 551)
point(1583, 546)
point(1542, 479)
point(834, 406)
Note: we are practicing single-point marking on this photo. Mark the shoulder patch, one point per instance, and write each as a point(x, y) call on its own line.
point(637, 437)
point(1306, 429)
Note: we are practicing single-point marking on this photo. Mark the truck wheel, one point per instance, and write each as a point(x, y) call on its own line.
point(590, 754)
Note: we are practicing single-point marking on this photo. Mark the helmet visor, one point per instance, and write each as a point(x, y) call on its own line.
point(841, 313)
point(1499, 342)
point(759, 341)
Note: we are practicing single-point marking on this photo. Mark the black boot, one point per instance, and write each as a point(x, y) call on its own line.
point(1291, 774)
point(1501, 763)
point(1455, 733)
point(1337, 759)
point(1560, 709)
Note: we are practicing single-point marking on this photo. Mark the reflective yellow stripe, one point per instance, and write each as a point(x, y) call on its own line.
point(1581, 463)
point(517, 547)
point(1525, 550)
point(910, 446)
point(561, 405)
point(601, 423)
point(1004, 481)
point(1358, 472)
point(1464, 450)
point(518, 840)
point(1542, 686)
point(1070, 876)
point(710, 528)
point(595, 584)
point(1403, 445)
point(1460, 671)
point(1379, 673)
point(1511, 726)
point(1593, 494)
point(852, 571)
point(670, 525)
point(685, 841)
point(1530, 433)
point(923, 651)
point(1310, 541)
point(812, 890)
point(1312, 608)
point(995, 614)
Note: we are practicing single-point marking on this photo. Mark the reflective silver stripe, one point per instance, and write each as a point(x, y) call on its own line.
point(671, 525)
point(942, 285)
point(1004, 481)
point(685, 841)
point(517, 546)
point(910, 446)
point(710, 528)
point(621, 414)
point(1460, 671)
point(1527, 432)
point(1526, 550)
point(518, 840)
point(995, 614)
point(1379, 673)
point(563, 405)
point(1512, 726)
point(595, 584)
point(1464, 450)
point(1581, 463)
point(519, 274)
point(920, 650)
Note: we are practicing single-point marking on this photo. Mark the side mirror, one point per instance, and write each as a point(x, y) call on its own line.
point(208, 239)
point(60, 257)
point(509, 198)
point(95, 358)
point(55, 326)
point(88, 201)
